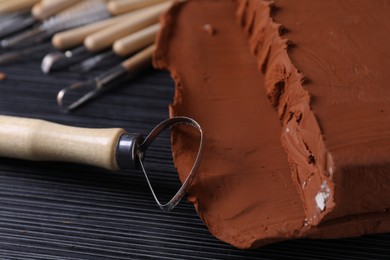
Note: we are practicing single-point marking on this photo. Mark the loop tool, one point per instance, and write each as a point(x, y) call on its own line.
point(149, 139)
point(113, 149)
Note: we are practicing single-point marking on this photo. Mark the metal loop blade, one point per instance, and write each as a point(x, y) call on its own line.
point(149, 139)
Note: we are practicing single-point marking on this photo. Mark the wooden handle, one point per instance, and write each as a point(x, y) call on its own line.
point(139, 61)
point(116, 7)
point(140, 19)
point(39, 140)
point(129, 44)
point(43, 10)
point(16, 5)
point(73, 37)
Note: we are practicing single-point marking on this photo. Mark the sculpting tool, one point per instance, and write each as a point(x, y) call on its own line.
point(121, 48)
point(11, 6)
point(144, 17)
point(13, 56)
point(104, 38)
point(58, 60)
point(112, 149)
point(39, 12)
point(72, 38)
point(82, 13)
point(75, 37)
point(15, 22)
point(124, 6)
point(85, 12)
point(87, 90)
point(46, 9)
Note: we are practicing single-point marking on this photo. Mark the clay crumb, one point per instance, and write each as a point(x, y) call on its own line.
point(322, 196)
point(209, 29)
point(3, 76)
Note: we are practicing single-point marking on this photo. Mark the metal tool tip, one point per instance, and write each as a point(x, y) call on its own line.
point(49, 60)
point(4, 44)
point(78, 93)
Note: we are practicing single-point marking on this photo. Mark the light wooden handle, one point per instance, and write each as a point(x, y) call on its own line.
point(139, 61)
point(73, 37)
point(140, 19)
point(46, 9)
point(16, 5)
point(39, 140)
point(116, 7)
point(136, 41)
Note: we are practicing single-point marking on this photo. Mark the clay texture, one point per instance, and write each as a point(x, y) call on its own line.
point(244, 191)
point(335, 127)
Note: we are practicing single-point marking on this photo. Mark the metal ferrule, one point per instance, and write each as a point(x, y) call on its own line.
point(126, 155)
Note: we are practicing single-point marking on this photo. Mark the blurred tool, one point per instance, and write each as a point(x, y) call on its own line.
point(77, 14)
point(13, 56)
point(15, 22)
point(124, 6)
point(72, 37)
point(142, 18)
point(59, 60)
point(85, 12)
point(45, 9)
point(40, 11)
point(75, 37)
point(104, 38)
point(81, 92)
point(121, 48)
point(11, 6)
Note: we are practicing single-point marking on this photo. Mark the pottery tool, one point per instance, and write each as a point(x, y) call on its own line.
point(112, 149)
point(79, 93)
point(39, 12)
point(46, 9)
point(74, 37)
point(15, 22)
point(13, 56)
point(71, 37)
point(11, 6)
point(104, 38)
point(144, 17)
point(123, 6)
point(121, 48)
point(84, 12)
